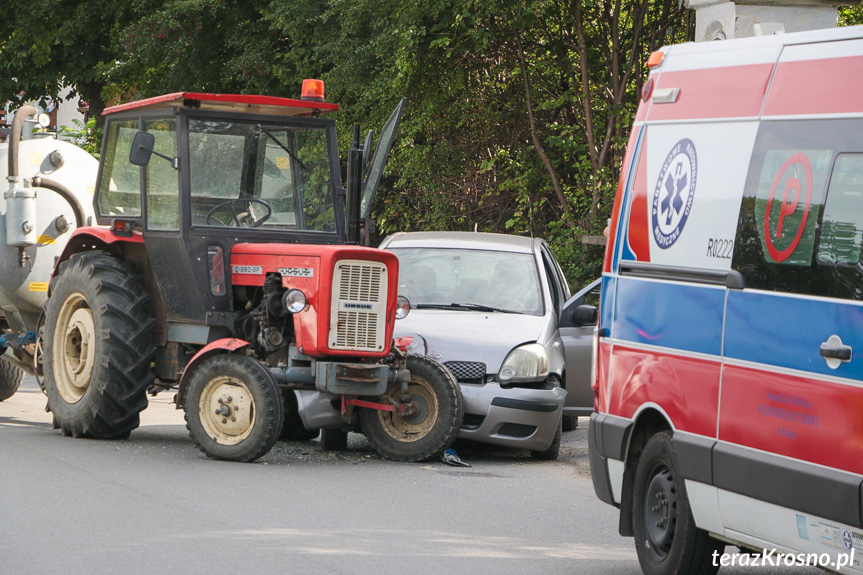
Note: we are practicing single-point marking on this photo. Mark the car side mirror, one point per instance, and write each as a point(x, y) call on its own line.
point(142, 148)
point(584, 315)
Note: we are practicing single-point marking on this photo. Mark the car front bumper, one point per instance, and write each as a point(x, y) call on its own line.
point(512, 417)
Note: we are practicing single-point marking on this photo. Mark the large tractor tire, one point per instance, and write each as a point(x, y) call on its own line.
point(234, 408)
point(431, 429)
point(98, 347)
point(11, 377)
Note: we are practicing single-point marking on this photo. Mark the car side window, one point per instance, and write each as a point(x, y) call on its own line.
point(557, 293)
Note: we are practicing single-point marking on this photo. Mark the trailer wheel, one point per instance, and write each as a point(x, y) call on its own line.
point(98, 347)
point(435, 423)
point(11, 377)
point(234, 408)
point(666, 539)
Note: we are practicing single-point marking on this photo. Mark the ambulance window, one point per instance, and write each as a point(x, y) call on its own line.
point(787, 238)
point(842, 223)
point(788, 195)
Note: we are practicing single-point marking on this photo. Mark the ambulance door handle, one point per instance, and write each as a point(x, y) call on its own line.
point(842, 353)
point(835, 352)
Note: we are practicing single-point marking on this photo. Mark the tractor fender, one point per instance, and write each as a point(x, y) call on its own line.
point(92, 237)
point(224, 345)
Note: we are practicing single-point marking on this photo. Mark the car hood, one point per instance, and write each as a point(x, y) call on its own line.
point(470, 336)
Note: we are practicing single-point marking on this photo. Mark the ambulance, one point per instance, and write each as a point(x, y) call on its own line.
point(729, 350)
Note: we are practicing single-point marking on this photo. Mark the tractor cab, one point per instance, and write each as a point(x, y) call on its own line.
point(198, 174)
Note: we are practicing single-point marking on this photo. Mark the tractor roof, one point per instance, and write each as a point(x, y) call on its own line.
point(250, 104)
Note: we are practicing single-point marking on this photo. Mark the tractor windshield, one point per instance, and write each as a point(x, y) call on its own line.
point(267, 176)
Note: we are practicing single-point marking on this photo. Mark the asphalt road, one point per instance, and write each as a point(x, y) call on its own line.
point(153, 504)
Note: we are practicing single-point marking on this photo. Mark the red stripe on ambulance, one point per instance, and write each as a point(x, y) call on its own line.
point(730, 92)
point(782, 414)
point(829, 88)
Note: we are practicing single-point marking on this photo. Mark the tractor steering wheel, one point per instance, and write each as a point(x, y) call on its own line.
point(243, 219)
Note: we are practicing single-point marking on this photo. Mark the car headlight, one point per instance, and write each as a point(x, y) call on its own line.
point(525, 363)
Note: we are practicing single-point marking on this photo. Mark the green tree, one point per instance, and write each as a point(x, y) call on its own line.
point(48, 44)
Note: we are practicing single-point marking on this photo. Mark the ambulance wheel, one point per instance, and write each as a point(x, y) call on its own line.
point(431, 428)
point(11, 377)
point(666, 539)
point(234, 408)
point(98, 346)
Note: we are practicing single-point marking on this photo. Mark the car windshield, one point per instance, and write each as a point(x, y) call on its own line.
point(268, 176)
point(467, 279)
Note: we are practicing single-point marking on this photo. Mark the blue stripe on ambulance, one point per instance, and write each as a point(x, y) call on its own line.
point(787, 331)
point(679, 316)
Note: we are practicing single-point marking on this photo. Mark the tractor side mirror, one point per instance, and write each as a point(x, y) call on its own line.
point(142, 148)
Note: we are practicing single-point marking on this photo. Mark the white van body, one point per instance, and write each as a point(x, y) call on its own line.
point(730, 345)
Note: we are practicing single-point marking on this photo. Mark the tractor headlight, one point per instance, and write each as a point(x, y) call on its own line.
point(525, 363)
point(294, 301)
point(403, 307)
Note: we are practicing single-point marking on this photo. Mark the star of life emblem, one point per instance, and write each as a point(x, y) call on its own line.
point(675, 190)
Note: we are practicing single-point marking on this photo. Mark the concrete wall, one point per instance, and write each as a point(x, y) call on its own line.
point(723, 19)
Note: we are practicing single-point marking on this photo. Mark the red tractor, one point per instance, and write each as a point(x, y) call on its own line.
point(232, 271)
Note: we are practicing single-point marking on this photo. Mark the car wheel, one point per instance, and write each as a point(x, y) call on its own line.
point(553, 450)
point(570, 422)
point(334, 439)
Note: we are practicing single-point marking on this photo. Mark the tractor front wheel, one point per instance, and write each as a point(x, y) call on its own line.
point(234, 408)
point(98, 346)
point(431, 425)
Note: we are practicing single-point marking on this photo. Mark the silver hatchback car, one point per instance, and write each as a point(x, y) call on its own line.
point(496, 310)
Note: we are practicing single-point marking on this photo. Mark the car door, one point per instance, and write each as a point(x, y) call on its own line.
point(576, 332)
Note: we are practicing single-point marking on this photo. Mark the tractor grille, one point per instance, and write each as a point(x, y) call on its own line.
point(359, 306)
point(469, 371)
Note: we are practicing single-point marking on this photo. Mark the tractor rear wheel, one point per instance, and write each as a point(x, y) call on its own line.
point(234, 408)
point(98, 347)
point(434, 424)
point(11, 377)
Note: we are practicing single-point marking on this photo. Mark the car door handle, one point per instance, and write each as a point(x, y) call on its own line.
point(840, 352)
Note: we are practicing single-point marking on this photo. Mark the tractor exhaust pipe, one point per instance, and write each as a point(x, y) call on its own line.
point(20, 202)
point(354, 186)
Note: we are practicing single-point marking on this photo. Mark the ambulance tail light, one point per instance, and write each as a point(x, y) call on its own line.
point(647, 90)
point(655, 59)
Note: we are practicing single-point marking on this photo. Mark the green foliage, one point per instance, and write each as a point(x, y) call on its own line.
point(86, 136)
point(519, 110)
